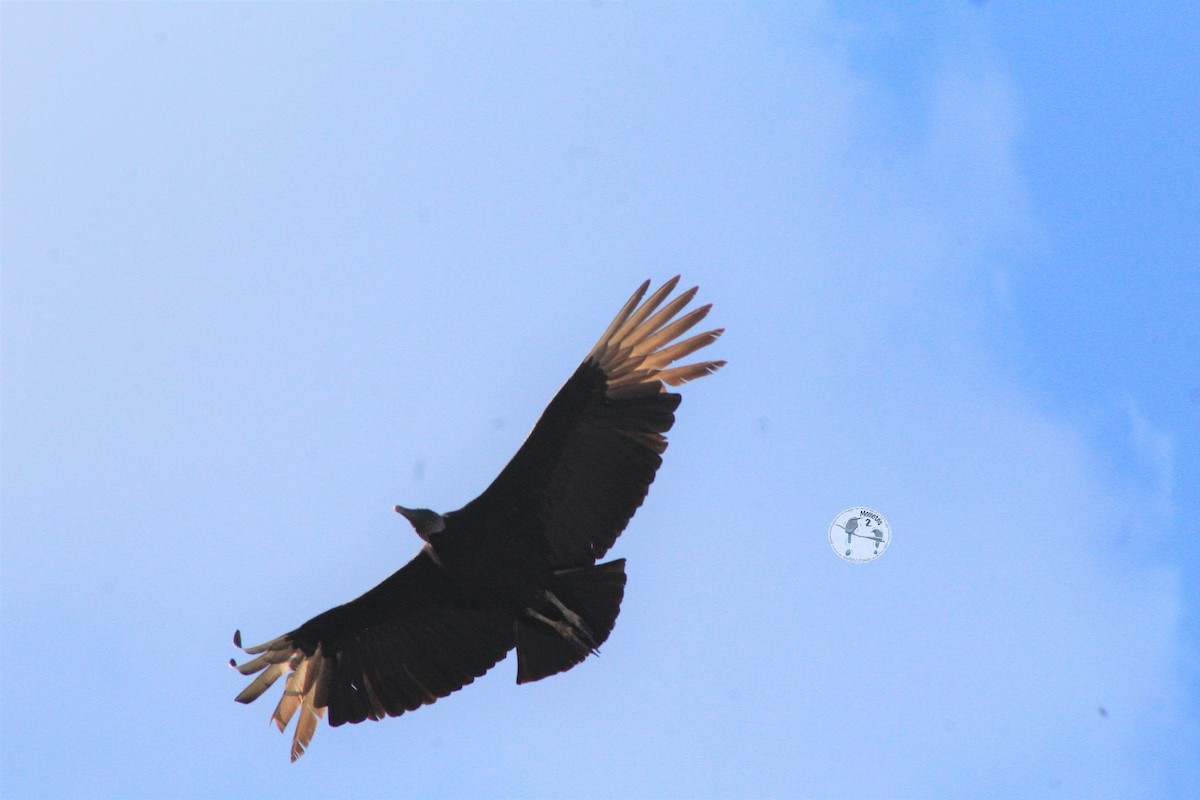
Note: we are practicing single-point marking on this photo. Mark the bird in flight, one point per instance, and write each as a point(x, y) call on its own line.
point(515, 567)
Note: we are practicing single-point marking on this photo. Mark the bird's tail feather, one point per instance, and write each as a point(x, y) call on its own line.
point(595, 594)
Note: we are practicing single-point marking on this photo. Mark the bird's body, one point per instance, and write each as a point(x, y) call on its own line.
point(515, 567)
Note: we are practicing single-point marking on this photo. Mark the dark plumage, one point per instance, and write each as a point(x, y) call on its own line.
point(515, 567)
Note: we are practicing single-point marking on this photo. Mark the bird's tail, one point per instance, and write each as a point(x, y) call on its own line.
point(593, 594)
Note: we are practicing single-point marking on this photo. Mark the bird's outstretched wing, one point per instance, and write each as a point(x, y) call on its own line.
point(409, 641)
point(588, 463)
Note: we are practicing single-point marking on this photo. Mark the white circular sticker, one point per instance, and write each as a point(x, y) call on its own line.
point(859, 534)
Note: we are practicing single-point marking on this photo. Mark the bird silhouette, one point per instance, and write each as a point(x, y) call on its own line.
point(516, 567)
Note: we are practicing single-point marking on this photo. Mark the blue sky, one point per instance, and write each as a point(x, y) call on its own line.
point(270, 269)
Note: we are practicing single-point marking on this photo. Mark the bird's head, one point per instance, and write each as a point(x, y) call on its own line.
point(424, 522)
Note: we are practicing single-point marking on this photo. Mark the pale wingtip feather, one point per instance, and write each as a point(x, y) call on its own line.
point(619, 320)
point(669, 355)
point(647, 307)
point(681, 375)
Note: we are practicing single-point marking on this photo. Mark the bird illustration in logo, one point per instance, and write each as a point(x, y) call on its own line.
point(878, 536)
point(850, 527)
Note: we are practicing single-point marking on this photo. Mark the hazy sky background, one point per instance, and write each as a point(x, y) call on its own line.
point(270, 269)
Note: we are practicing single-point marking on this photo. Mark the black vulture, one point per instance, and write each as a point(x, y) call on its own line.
point(515, 567)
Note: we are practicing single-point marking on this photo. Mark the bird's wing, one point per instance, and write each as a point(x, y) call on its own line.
point(588, 463)
point(409, 641)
